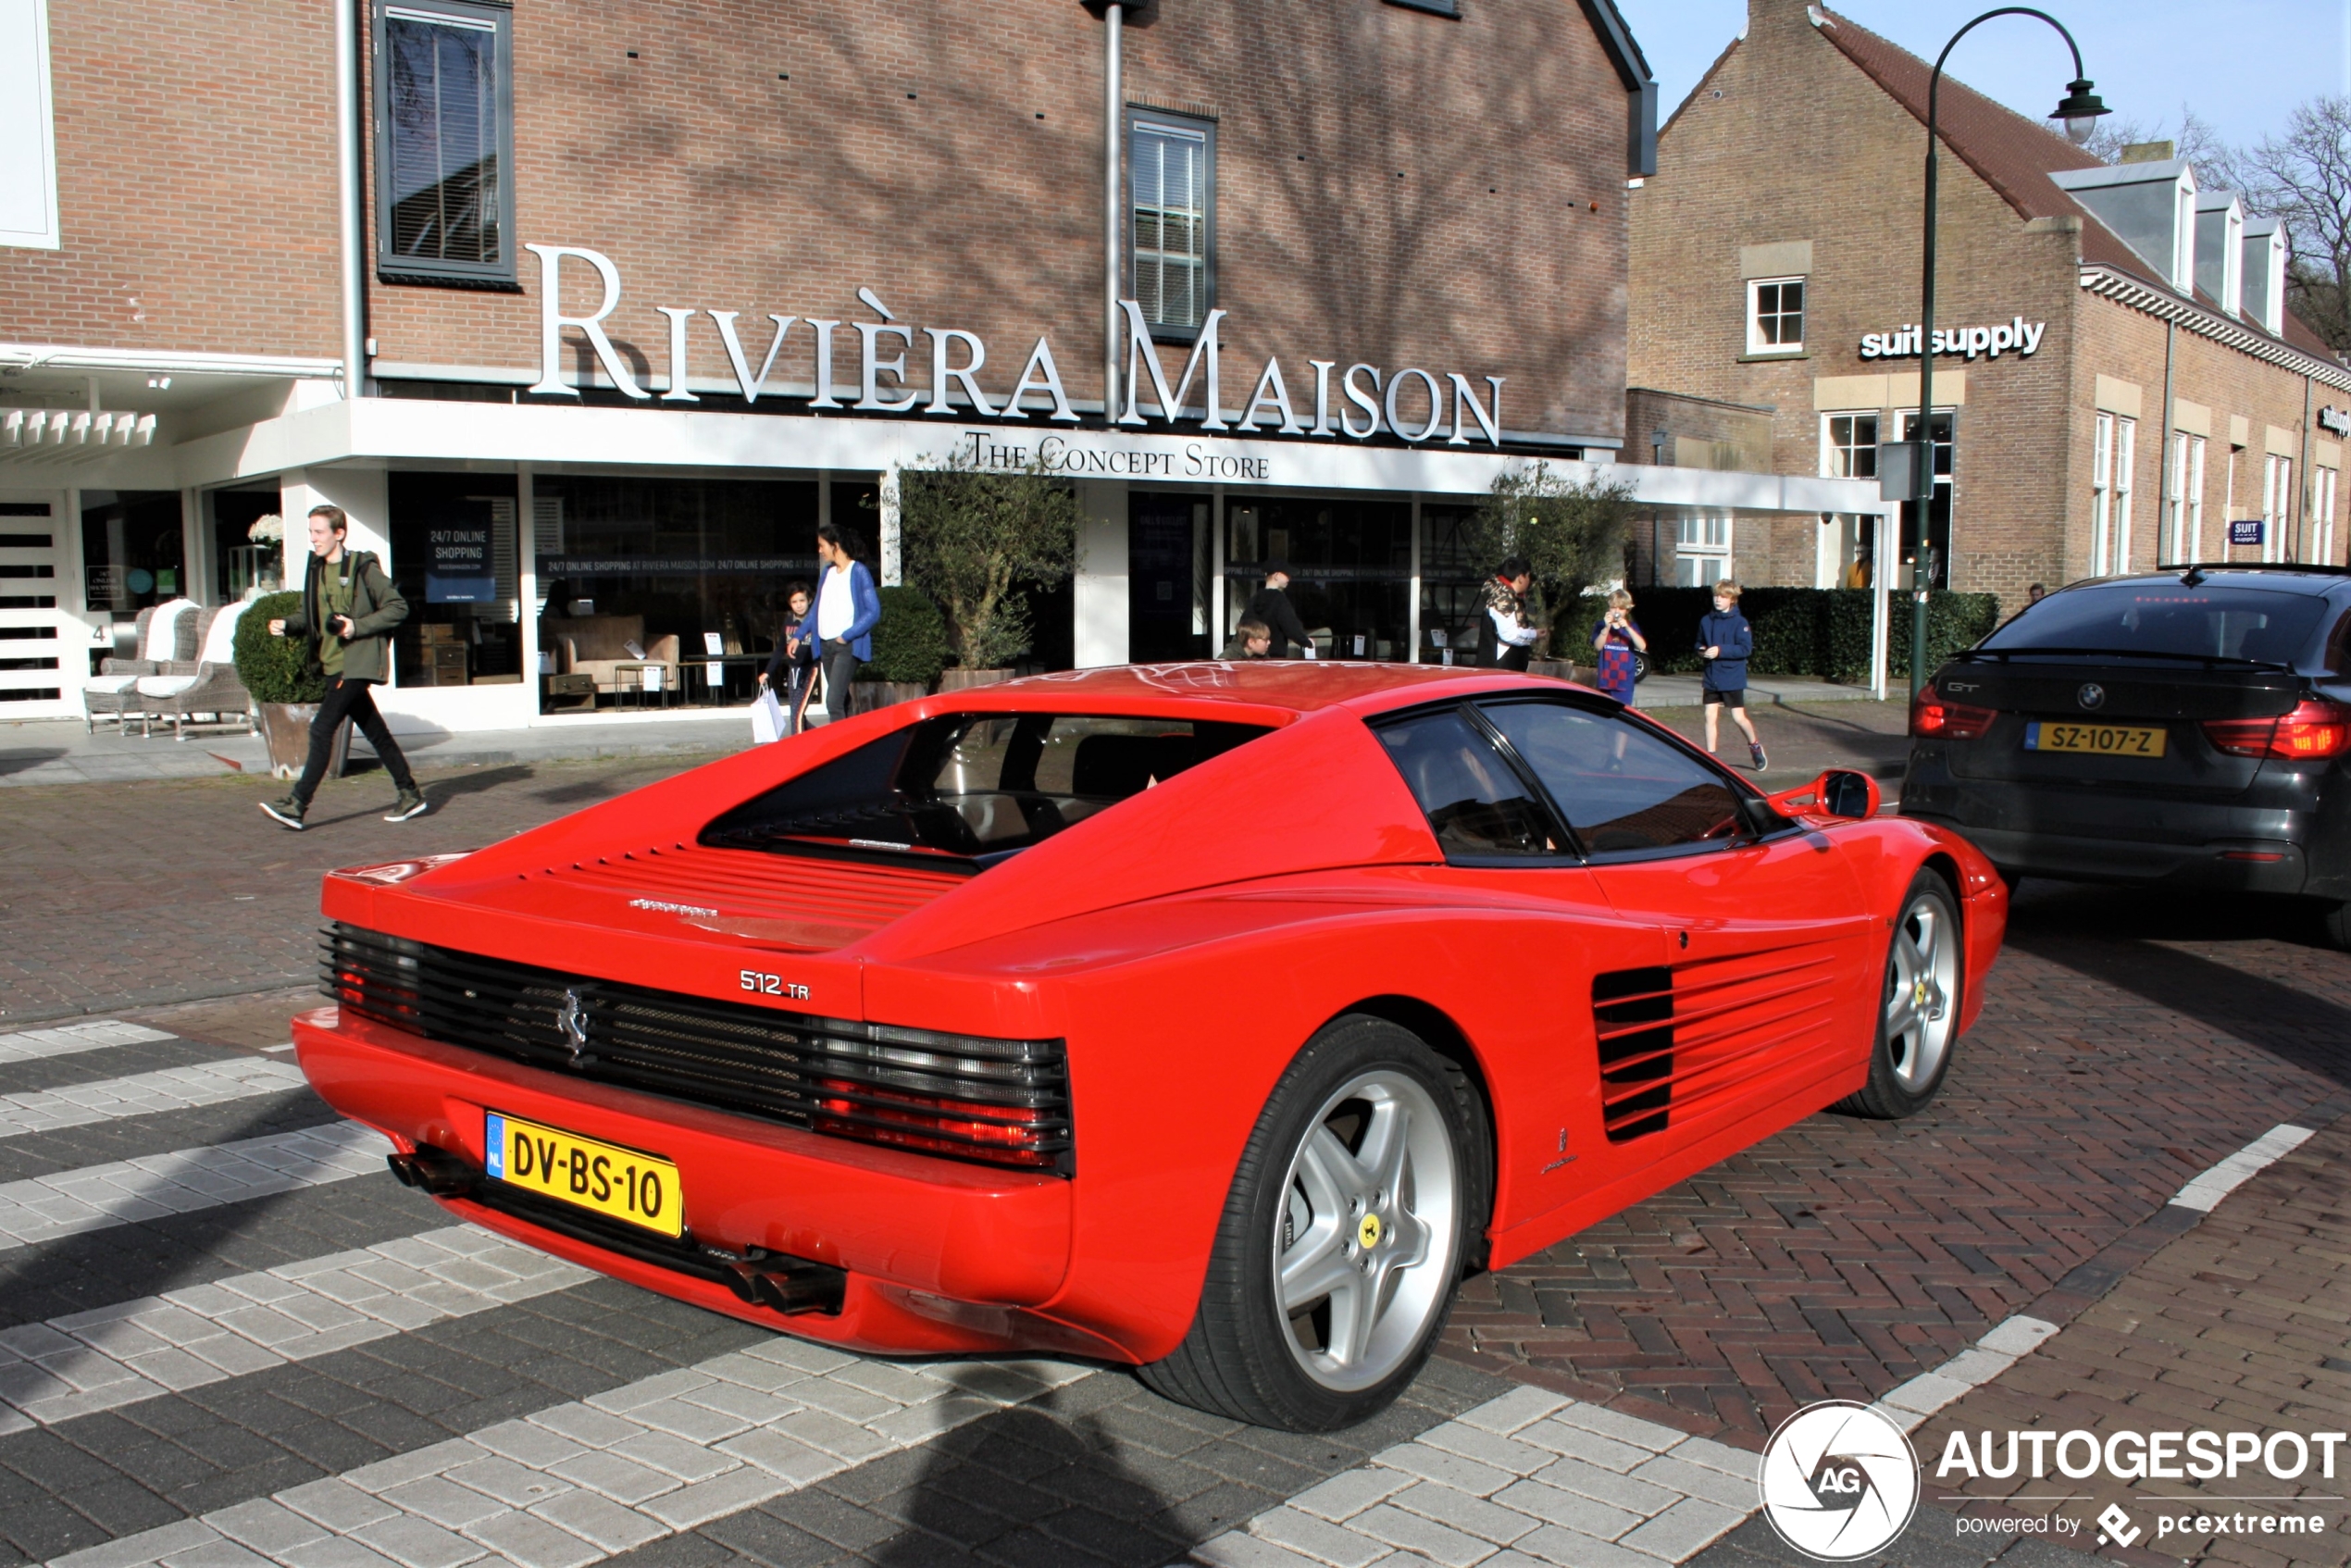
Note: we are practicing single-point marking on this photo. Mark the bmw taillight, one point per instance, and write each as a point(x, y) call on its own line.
point(2315, 730)
point(1939, 718)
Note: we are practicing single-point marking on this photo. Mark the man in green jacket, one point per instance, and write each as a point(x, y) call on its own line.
point(348, 609)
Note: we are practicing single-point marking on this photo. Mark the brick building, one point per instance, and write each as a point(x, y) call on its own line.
point(2118, 377)
point(588, 316)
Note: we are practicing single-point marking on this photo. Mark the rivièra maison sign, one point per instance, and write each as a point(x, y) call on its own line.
point(1413, 404)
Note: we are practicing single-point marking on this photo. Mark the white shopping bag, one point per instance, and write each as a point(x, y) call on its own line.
point(766, 718)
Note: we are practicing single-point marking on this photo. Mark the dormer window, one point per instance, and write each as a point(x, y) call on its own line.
point(2263, 274)
point(2219, 248)
point(2151, 206)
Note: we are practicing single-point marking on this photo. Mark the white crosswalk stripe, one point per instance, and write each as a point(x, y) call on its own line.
point(585, 1481)
point(168, 1089)
point(28, 1045)
point(113, 1356)
point(45, 1207)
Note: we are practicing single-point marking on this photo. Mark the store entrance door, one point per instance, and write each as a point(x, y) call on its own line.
point(1167, 577)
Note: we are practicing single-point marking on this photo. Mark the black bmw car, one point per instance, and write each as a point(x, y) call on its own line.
point(2189, 727)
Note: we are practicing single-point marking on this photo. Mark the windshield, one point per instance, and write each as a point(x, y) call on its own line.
point(972, 787)
point(2163, 617)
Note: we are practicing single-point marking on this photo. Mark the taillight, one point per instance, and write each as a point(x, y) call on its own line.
point(1004, 1134)
point(2317, 728)
point(1941, 719)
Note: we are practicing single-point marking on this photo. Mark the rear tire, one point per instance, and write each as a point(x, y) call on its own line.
point(2335, 922)
point(1918, 1006)
point(1360, 1194)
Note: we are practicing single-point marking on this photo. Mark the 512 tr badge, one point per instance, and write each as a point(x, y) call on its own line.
point(771, 985)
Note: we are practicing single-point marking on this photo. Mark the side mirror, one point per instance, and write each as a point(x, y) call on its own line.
point(1838, 793)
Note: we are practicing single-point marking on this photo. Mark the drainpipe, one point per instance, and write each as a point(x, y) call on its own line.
point(1113, 96)
point(348, 197)
point(2163, 474)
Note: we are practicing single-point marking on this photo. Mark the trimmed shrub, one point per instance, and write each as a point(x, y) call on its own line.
point(909, 643)
point(276, 669)
point(1817, 632)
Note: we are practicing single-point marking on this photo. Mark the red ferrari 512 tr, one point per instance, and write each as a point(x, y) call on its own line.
point(1211, 1019)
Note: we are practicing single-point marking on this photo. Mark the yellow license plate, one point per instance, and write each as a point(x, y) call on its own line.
point(2098, 739)
point(624, 1184)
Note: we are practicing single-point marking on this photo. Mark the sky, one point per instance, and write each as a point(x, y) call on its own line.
point(2147, 56)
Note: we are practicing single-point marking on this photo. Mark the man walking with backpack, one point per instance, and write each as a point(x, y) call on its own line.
point(349, 608)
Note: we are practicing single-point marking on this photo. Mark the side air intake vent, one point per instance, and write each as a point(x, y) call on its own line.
point(1633, 1017)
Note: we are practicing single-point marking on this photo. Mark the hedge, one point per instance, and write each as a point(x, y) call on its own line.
point(276, 669)
point(1820, 632)
point(910, 641)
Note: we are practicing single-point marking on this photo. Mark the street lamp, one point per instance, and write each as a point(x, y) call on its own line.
point(2079, 111)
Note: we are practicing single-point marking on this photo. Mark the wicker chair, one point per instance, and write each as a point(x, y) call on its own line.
point(166, 635)
point(208, 685)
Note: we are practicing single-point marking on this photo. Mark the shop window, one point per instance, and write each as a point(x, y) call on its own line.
point(1171, 187)
point(663, 592)
point(1775, 315)
point(1350, 568)
point(1931, 536)
point(130, 551)
point(2183, 503)
point(444, 144)
point(1452, 585)
point(454, 559)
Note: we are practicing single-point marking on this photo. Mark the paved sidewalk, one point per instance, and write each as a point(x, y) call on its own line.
point(1762, 691)
point(37, 751)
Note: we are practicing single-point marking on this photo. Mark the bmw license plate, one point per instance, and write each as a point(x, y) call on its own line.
point(622, 1184)
point(2098, 739)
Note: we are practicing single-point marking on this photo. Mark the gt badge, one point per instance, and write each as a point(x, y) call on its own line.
point(1367, 1234)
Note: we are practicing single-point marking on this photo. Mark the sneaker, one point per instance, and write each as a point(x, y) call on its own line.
point(285, 814)
point(410, 804)
point(1755, 750)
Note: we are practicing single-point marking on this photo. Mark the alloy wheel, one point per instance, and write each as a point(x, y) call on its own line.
point(1364, 1252)
point(1922, 979)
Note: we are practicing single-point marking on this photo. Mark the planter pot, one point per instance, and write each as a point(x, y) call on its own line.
point(865, 696)
point(285, 727)
point(961, 679)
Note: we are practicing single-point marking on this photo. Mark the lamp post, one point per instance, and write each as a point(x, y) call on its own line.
point(2079, 109)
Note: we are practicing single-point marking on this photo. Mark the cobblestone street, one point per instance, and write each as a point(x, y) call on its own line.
point(227, 1336)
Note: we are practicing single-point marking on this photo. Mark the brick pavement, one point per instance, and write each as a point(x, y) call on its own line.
point(140, 894)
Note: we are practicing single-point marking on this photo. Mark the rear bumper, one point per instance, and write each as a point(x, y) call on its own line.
point(2248, 866)
point(939, 1256)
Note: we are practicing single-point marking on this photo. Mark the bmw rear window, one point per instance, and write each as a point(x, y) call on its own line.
point(970, 789)
point(2164, 616)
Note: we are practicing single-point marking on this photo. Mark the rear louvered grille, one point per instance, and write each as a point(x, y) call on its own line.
point(1003, 1102)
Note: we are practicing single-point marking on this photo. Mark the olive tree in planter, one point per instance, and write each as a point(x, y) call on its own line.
point(286, 684)
point(909, 647)
point(972, 538)
point(1571, 533)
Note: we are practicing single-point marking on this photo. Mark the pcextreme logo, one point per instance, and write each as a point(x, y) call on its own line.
point(1839, 1481)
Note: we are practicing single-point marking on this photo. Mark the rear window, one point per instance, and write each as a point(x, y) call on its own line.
point(972, 787)
point(2164, 616)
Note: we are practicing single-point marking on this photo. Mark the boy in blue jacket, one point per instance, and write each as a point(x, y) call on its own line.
point(1725, 639)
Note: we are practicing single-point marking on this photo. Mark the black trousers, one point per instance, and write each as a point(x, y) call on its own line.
point(841, 668)
point(349, 699)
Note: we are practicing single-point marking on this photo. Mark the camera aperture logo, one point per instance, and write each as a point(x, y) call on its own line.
point(1839, 1481)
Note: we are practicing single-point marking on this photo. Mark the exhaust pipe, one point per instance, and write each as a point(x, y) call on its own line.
point(434, 1172)
point(789, 1284)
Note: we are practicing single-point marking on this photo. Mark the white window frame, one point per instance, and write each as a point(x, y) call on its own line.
point(1706, 560)
point(1755, 345)
point(2277, 498)
point(2183, 507)
point(2126, 457)
point(2322, 494)
point(28, 128)
point(2101, 491)
point(1839, 459)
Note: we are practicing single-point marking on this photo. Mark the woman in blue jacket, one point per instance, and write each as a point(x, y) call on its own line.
point(848, 609)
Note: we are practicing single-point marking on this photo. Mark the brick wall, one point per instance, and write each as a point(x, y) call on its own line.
point(196, 180)
point(1787, 140)
point(1393, 187)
